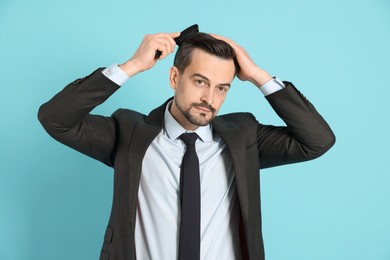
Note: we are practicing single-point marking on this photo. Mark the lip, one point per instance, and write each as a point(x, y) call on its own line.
point(204, 109)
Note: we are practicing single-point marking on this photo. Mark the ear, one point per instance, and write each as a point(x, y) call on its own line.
point(173, 77)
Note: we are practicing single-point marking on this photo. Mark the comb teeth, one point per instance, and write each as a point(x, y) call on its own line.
point(193, 29)
point(182, 37)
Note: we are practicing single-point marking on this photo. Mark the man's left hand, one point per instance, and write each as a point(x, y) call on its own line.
point(249, 71)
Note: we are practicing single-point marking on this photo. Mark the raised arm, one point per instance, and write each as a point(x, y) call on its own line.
point(306, 136)
point(66, 117)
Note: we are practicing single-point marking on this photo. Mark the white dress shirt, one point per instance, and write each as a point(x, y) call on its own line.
point(158, 209)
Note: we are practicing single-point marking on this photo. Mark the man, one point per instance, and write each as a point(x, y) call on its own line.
point(146, 152)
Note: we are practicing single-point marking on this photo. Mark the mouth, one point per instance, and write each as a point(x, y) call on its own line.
point(204, 107)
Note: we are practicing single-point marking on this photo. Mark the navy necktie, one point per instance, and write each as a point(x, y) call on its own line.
point(189, 238)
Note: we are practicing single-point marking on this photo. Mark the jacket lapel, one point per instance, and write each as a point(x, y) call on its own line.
point(232, 136)
point(143, 135)
point(145, 132)
point(235, 141)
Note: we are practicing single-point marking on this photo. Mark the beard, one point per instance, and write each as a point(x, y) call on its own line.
point(200, 120)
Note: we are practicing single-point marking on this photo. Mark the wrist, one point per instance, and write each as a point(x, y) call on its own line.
point(130, 68)
point(260, 77)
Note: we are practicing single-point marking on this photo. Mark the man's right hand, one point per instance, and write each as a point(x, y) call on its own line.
point(144, 57)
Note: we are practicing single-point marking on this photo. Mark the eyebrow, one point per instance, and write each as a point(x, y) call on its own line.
point(205, 78)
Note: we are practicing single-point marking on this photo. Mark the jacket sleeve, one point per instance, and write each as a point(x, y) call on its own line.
point(307, 135)
point(66, 117)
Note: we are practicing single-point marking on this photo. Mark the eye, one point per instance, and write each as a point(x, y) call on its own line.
point(222, 89)
point(199, 82)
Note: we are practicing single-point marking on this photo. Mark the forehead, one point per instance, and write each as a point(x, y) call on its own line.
point(213, 67)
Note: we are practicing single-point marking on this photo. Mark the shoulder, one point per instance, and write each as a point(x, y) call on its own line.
point(241, 119)
point(246, 123)
point(127, 115)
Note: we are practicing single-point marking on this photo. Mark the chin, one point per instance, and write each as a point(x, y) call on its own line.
point(203, 120)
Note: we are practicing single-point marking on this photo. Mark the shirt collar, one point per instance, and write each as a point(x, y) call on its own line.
point(174, 129)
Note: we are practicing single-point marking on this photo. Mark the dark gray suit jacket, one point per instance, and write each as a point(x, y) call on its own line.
point(121, 141)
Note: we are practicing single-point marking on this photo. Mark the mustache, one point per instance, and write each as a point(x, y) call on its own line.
point(205, 105)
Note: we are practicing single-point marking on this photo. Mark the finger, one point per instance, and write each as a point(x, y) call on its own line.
point(228, 40)
point(164, 45)
point(219, 37)
point(169, 38)
point(169, 43)
point(165, 52)
point(174, 34)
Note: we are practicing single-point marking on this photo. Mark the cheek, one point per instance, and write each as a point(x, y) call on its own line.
point(217, 105)
point(188, 92)
point(179, 90)
point(219, 99)
point(184, 96)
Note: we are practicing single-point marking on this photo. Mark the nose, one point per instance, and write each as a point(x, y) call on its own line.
point(208, 96)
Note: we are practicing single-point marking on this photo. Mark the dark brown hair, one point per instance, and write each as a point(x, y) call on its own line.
point(206, 43)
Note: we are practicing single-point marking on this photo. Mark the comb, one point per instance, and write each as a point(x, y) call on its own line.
point(193, 29)
point(188, 32)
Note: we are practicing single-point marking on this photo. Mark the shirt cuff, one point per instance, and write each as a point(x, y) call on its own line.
point(115, 74)
point(272, 86)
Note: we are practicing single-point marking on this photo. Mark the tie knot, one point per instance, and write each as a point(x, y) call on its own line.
point(189, 138)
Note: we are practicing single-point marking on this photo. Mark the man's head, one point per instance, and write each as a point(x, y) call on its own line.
point(203, 70)
point(207, 43)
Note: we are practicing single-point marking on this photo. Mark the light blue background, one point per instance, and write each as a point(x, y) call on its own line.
point(55, 203)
